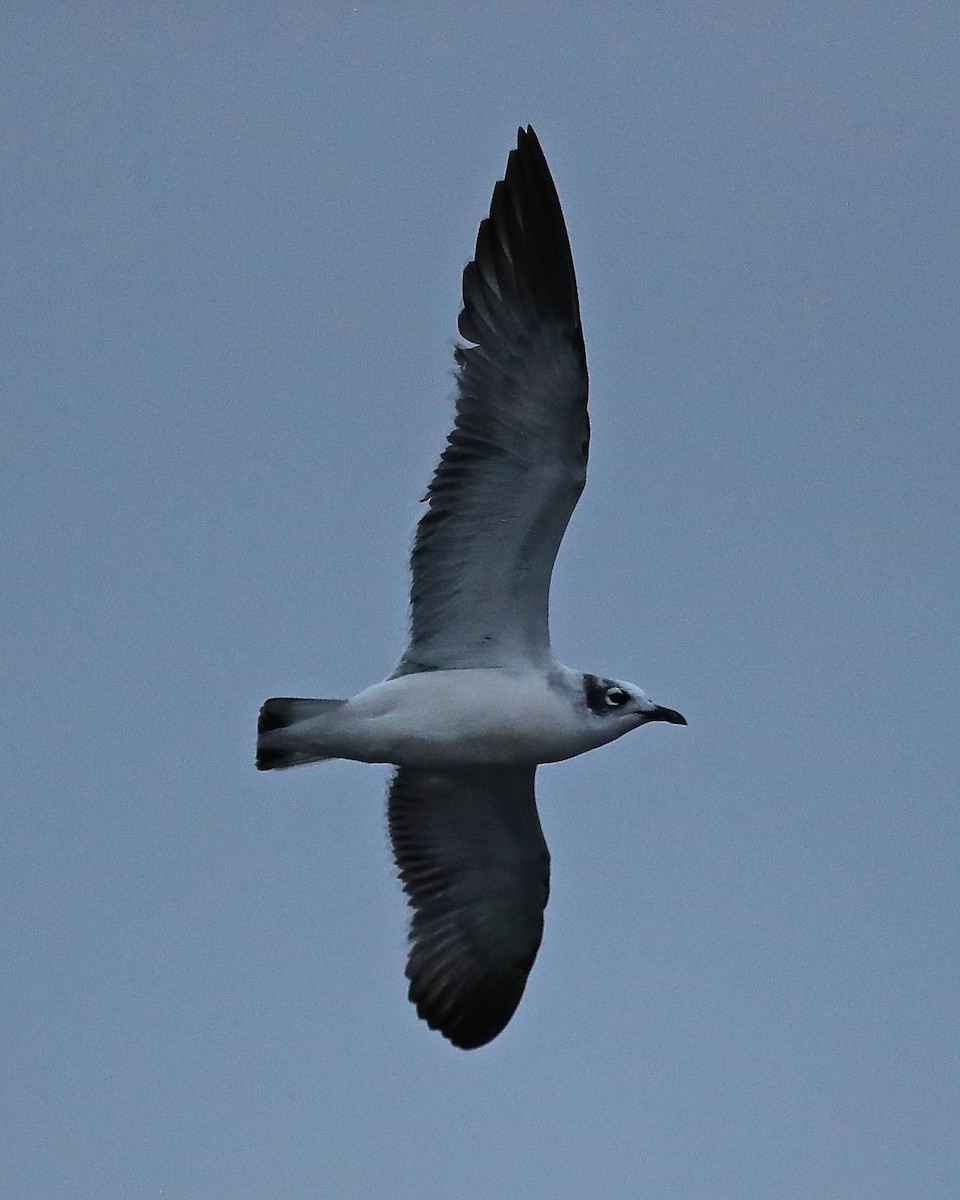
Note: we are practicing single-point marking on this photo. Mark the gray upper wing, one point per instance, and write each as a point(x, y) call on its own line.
point(515, 463)
point(471, 855)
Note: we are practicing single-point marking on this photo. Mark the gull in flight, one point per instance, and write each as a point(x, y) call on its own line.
point(478, 701)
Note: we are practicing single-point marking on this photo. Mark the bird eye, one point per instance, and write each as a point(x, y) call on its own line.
point(616, 697)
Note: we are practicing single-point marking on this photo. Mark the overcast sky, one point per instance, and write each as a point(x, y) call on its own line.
point(232, 238)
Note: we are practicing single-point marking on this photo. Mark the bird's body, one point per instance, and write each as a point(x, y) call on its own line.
point(478, 700)
point(480, 716)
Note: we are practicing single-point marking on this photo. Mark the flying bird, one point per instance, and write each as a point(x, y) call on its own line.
point(478, 701)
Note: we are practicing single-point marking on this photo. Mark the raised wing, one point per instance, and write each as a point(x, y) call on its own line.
point(471, 855)
point(515, 463)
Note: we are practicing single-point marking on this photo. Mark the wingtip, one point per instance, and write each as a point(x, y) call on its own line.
point(465, 1031)
point(527, 140)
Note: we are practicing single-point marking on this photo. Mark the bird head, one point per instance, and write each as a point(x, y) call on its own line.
point(615, 698)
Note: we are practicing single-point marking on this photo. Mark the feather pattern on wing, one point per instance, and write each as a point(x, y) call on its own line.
point(471, 855)
point(515, 462)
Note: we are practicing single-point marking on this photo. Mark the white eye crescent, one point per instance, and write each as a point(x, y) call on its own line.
point(616, 697)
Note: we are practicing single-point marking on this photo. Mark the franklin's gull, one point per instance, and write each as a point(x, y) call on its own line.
point(478, 701)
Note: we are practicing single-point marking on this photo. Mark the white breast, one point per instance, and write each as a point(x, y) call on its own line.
point(446, 719)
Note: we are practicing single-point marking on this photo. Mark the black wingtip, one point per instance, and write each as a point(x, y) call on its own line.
point(528, 135)
point(471, 1028)
point(522, 271)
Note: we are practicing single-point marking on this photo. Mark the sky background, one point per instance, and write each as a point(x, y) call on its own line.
point(232, 238)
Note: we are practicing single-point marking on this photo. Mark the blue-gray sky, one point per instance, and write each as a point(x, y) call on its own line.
point(232, 239)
